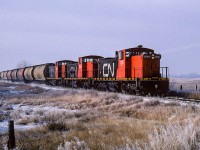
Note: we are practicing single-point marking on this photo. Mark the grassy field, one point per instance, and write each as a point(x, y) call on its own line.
point(87, 119)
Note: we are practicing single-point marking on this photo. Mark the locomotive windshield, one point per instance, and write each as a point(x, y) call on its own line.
point(87, 60)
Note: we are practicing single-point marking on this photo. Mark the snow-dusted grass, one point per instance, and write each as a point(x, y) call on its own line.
point(75, 144)
point(173, 136)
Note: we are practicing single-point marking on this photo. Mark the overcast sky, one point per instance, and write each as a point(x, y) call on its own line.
point(40, 31)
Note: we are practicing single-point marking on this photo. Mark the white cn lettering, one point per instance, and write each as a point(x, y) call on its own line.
point(110, 70)
point(105, 74)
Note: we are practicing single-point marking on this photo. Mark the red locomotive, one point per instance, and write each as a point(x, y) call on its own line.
point(134, 70)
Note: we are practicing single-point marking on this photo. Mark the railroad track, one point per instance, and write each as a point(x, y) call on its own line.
point(183, 99)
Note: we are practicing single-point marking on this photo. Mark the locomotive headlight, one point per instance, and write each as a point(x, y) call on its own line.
point(153, 56)
point(156, 86)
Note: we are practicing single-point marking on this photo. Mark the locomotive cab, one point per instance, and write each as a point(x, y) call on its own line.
point(88, 66)
point(61, 68)
point(138, 62)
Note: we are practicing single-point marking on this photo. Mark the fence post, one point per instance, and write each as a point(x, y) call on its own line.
point(11, 132)
point(181, 87)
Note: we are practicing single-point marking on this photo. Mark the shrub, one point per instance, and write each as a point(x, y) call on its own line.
point(55, 121)
point(23, 121)
point(75, 144)
point(56, 126)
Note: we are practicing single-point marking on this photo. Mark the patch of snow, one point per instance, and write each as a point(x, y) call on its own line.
point(4, 127)
point(25, 108)
point(14, 92)
point(147, 99)
point(12, 87)
point(172, 117)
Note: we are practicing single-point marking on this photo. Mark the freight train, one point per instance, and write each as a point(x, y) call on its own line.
point(134, 71)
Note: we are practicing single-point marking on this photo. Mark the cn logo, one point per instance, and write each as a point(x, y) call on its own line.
point(108, 70)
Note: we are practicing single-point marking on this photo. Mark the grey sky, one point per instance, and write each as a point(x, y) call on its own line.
point(40, 31)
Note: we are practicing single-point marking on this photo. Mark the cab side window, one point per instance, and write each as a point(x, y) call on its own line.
point(121, 55)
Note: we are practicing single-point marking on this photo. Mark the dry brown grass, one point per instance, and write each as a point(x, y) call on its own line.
point(107, 133)
point(39, 139)
point(186, 94)
point(23, 121)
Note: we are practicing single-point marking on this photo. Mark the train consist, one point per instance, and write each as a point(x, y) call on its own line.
point(134, 71)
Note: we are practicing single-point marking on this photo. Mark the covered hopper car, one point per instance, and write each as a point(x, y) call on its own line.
point(28, 74)
point(42, 72)
point(20, 74)
point(14, 75)
point(9, 75)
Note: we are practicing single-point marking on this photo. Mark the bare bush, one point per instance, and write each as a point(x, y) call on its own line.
point(23, 121)
point(74, 144)
point(55, 121)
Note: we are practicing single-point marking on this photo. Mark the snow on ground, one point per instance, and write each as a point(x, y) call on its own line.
point(4, 127)
point(30, 111)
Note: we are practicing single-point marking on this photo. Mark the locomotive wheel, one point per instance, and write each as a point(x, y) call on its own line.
point(112, 87)
point(123, 88)
point(96, 86)
point(104, 87)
